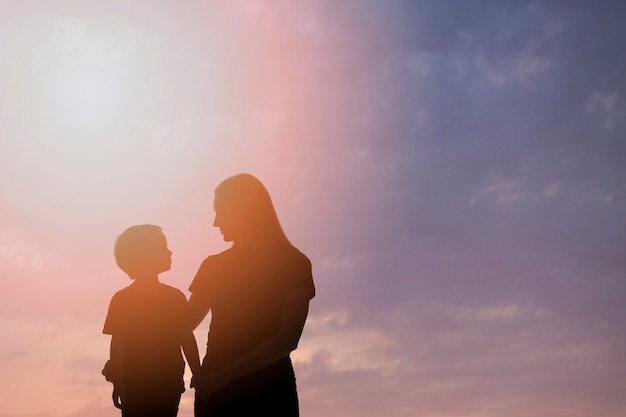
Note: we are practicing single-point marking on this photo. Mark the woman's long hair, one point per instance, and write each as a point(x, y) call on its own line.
point(248, 194)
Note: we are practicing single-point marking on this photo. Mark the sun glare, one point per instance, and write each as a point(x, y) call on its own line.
point(80, 77)
point(85, 98)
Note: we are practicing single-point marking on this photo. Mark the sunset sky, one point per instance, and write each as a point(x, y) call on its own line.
point(455, 171)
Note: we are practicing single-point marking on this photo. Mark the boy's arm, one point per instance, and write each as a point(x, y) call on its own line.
point(190, 348)
point(117, 364)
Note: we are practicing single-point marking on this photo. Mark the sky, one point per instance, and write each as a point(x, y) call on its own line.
point(455, 171)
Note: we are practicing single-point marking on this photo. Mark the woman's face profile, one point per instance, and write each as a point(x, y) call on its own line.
point(229, 219)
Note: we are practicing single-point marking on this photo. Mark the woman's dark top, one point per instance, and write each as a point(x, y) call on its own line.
point(246, 289)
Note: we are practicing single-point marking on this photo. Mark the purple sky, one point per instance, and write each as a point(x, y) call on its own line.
point(454, 170)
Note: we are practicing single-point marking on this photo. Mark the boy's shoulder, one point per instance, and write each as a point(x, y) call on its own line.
point(172, 290)
point(124, 292)
point(165, 290)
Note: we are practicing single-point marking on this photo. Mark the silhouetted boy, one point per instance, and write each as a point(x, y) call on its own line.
point(148, 322)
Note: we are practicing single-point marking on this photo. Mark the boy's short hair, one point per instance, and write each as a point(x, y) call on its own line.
point(135, 242)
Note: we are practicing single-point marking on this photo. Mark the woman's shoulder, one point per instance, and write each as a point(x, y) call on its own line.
point(299, 270)
point(220, 257)
point(295, 256)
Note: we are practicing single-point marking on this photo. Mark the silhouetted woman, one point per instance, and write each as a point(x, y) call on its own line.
point(258, 292)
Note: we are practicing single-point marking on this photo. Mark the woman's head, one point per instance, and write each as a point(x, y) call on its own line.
point(244, 211)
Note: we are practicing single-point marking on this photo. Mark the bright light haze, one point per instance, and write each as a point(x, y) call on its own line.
point(455, 171)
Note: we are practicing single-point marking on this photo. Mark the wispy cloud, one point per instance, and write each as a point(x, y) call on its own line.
point(25, 255)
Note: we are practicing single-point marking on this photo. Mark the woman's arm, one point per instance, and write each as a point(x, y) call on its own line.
point(198, 307)
point(278, 346)
point(190, 348)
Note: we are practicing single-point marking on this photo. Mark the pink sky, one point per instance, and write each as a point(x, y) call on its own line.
point(454, 172)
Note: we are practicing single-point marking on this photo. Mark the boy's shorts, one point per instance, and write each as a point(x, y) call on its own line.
point(142, 403)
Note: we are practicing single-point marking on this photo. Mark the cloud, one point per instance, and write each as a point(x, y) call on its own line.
point(514, 354)
point(604, 104)
point(345, 347)
point(522, 69)
point(25, 255)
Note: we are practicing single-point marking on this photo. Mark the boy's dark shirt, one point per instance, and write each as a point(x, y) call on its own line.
point(150, 324)
point(246, 289)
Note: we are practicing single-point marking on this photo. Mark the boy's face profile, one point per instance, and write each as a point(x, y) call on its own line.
point(142, 251)
point(155, 257)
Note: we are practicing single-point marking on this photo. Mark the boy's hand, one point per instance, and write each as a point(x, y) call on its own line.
point(208, 384)
point(109, 371)
point(118, 395)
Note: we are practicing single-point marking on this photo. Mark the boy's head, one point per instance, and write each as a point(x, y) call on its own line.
point(142, 250)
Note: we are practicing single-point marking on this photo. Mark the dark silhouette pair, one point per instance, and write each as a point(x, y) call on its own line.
point(258, 293)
